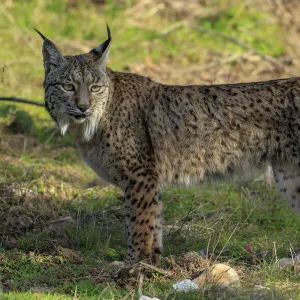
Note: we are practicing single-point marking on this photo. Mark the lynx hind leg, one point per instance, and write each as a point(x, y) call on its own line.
point(143, 210)
point(287, 178)
point(157, 233)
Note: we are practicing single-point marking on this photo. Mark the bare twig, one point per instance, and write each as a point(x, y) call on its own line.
point(234, 40)
point(156, 269)
point(213, 64)
point(129, 294)
point(232, 233)
point(174, 26)
point(185, 218)
point(20, 100)
point(62, 219)
point(141, 281)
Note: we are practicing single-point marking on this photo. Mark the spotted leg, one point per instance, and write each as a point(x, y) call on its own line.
point(287, 177)
point(143, 210)
point(157, 233)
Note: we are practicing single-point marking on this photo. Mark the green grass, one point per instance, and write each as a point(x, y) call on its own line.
point(37, 259)
point(40, 259)
point(248, 25)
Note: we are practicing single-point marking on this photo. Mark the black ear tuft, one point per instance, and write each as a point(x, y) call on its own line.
point(42, 36)
point(108, 32)
point(51, 54)
point(102, 50)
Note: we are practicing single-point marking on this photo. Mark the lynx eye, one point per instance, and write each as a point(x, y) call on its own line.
point(68, 87)
point(96, 88)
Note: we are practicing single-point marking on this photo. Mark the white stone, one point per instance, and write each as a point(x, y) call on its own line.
point(185, 285)
point(148, 298)
point(289, 262)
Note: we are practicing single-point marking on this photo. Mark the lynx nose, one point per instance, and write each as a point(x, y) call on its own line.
point(83, 107)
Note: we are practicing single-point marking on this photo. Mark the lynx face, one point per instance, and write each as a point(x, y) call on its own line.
point(76, 87)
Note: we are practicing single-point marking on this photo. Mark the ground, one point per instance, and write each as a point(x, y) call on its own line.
point(61, 227)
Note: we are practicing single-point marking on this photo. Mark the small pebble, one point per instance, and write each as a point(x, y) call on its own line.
point(185, 285)
point(148, 298)
point(117, 263)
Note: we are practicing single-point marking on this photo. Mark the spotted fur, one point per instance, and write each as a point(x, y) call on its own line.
point(140, 135)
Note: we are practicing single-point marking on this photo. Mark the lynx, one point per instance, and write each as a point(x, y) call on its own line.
point(140, 135)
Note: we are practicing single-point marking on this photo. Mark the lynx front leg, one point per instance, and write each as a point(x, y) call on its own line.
point(143, 210)
point(287, 177)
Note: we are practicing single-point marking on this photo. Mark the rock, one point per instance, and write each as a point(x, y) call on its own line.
point(284, 262)
point(148, 298)
point(185, 285)
point(289, 262)
point(117, 264)
point(220, 275)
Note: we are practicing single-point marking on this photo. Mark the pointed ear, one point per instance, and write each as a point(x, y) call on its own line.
point(101, 52)
point(51, 54)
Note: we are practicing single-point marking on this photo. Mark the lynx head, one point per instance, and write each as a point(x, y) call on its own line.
point(76, 87)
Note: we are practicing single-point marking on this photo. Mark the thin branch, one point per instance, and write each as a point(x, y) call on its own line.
point(267, 58)
point(156, 269)
point(232, 39)
point(174, 26)
point(20, 100)
point(213, 64)
point(141, 281)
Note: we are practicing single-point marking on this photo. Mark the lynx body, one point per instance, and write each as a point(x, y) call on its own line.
point(140, 135)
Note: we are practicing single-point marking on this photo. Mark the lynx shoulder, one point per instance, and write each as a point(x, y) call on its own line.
point(140, 135)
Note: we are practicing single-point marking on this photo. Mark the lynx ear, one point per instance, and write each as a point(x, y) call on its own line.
point(101, 52)
point(51, 54)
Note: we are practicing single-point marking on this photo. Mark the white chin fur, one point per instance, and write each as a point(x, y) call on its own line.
point(90, 126)
point(63, 124)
